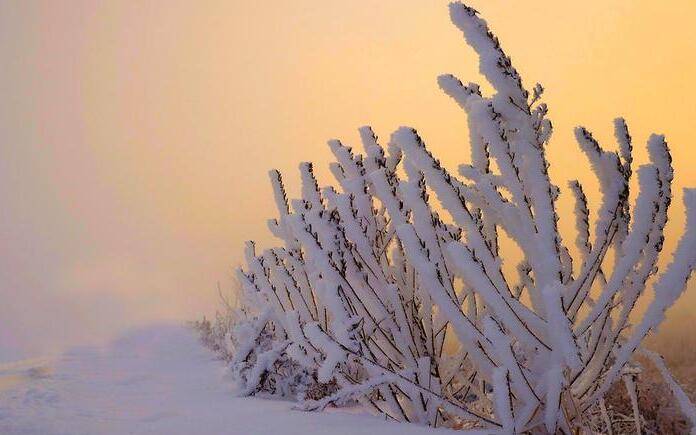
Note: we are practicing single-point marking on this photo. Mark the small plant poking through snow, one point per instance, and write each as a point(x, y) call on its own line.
point(375, 297)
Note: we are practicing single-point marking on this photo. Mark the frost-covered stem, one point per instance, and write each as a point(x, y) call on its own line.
point(605, 416)
point(685, 405)
point(632, 390)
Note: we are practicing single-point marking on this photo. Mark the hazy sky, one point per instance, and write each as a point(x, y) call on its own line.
point(136, 136)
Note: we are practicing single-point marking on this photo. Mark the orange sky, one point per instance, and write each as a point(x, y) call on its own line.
point(136, 136)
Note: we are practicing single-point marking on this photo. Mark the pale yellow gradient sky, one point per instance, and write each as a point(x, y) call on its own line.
point(135, 136)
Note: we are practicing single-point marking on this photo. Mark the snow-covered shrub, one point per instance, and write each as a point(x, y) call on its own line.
point(255, 350)
point(376, 296)
point(216, 334)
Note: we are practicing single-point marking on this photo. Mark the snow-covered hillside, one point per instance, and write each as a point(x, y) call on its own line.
point(157, 380)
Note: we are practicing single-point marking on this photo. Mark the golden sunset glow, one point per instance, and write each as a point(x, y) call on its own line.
point(137, 136)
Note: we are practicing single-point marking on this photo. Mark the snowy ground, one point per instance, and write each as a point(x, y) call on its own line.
point(157, 380)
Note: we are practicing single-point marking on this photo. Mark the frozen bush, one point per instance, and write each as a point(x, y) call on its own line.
point(371, 281)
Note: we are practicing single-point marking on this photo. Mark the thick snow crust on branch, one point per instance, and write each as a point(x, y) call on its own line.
point(374, 297)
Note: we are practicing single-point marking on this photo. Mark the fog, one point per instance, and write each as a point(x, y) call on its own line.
point(135, 137)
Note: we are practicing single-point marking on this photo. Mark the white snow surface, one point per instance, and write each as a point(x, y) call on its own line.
point(157, 380)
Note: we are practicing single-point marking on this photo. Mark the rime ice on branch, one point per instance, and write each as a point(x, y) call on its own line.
point(371, 282)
